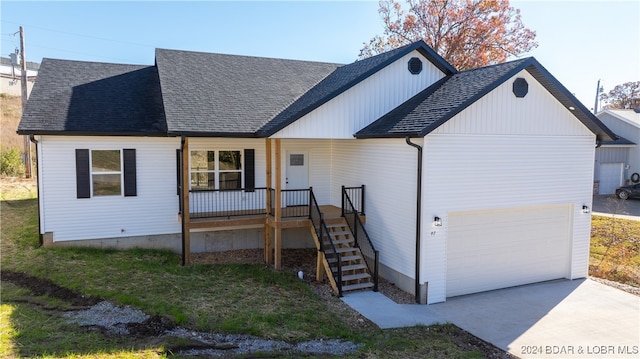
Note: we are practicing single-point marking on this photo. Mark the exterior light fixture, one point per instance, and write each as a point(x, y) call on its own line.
point(572, 108)
point(437, 222)
point(585, 209)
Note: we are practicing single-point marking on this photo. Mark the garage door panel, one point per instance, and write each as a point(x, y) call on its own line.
point(611, 177)
point(500, 248)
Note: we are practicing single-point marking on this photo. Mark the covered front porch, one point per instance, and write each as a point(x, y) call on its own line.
point(272, 206)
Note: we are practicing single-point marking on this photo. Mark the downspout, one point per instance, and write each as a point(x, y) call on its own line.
point(35, 142)
point(418, 216)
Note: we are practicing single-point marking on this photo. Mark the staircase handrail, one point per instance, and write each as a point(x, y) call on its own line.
point(357, 223)
point(321, 227)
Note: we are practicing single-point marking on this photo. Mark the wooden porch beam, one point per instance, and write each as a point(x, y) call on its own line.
point(268, 257)
point(184, 197)
point(277, 246)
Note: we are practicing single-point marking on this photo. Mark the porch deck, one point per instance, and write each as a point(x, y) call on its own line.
point(292, 217)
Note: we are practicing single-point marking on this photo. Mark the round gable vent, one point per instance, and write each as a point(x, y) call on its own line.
point(415, 65)
point(520, 87)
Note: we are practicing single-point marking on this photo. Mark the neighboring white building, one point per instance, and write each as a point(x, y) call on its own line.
point(475, 180)
point(617, 161)
point(10, 77)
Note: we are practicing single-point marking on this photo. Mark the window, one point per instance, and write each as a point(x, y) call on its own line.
point(216, 169)
point(105, 173)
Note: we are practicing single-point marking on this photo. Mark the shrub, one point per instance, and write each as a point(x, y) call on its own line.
point(11, 162)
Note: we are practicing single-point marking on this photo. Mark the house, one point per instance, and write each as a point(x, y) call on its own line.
point(618, 162)
point(445, 182)
point(10, 74)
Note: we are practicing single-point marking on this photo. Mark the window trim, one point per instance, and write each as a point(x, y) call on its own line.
point(120, 173)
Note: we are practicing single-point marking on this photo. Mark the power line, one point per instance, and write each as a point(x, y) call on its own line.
point(84, 35)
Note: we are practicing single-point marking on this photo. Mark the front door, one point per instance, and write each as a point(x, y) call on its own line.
point(297, 177)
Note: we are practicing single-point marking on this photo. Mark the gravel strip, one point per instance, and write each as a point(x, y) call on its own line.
point(114, 320)
point(245, 344)
point(625, 287)
point(106, 315)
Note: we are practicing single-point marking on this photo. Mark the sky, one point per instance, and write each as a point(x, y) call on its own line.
point(580, 42)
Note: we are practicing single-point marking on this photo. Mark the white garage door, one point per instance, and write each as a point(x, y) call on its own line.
point(610, 177)
point(503, 248)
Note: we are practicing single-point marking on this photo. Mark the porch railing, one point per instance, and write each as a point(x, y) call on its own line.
point(327, 246)
point(360, 235)
point(216, 203)
point(294, 202)
point(356, 194)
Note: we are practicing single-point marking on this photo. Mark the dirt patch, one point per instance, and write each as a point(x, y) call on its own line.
point(40, 286)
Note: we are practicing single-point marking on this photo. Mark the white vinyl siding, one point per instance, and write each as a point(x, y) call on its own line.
point(319, 152)
point(153, 211)
point(388, 168)
point(364, 103)
point(505, 152)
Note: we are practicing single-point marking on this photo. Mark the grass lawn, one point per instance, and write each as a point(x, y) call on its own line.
point(615, 250)
point(223, 298)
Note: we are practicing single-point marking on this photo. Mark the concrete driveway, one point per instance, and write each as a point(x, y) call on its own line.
point(611, 205)
point(559, 319)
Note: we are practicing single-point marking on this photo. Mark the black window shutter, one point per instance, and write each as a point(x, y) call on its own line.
point(249, 170)
point(178, 169)
point(129, 156)
point(83, 182)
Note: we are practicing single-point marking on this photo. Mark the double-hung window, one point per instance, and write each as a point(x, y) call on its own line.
point(212, 169)
point(106, 172)
point(110, 172)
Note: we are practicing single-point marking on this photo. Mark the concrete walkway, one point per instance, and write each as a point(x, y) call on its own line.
point(559, 319)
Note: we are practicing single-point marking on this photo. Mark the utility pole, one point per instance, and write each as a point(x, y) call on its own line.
point(23, 83)
point(598, 90)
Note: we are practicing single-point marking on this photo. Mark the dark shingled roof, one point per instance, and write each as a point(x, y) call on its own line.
point(345, 77)
point(228, 95)
point(621, 141)
point(441, 101)
point(88, 98)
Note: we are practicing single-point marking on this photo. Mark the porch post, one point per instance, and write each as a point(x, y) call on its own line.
point(184, 197)
point(278, 208)
point(267, 229)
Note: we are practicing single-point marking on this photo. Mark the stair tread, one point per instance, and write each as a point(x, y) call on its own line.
point(340, 233)
point(351, 267)
point(346, 249)
point(349, 277)
point(344, 258)
point(340, 241)
point(346, 288)
point(336, 225)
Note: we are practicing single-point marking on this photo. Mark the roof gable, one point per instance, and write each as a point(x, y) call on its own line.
point(344, 78)
point(84, 98)
point(443, 100)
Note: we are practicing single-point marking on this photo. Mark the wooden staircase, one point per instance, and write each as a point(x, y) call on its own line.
point(354, 273)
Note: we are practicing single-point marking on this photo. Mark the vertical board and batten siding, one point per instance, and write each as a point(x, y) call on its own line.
point(319, 165)
point(233, 144)
point(505, 152)
point(365, 102)
point(154, 210)
point(388, 168)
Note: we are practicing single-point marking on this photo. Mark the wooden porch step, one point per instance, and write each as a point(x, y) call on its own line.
point(346, 249)
point(358, 286)
point(351, 267)
point(345, 258)
point(340, 224)
point(340, 241)
point(348, 277)
point(340, 233)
